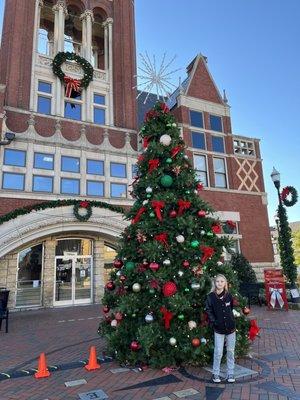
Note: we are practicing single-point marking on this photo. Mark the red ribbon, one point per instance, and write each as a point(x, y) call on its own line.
point(207, 252)
point(151, 114)
point(153, 164)
point(164, 108)
point(138, 215)
point(284, 194)
point(167, 316)
point(146, 142)
point(183, 205)
point(253, 330)
point(84, 204)
point(162, 237)
point(216, 228)
point(231, 224)
point(200, 186)
point(71, 85)
point(141, 158)
point(158, 205)
point(175, 151)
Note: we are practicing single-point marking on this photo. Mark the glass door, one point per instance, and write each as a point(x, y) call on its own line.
point(63, 280)
point(82, 281)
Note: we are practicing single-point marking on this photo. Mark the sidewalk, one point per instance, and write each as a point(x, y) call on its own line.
point(66, 334)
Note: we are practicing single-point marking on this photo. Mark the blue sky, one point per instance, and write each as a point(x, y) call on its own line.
point(253, 52)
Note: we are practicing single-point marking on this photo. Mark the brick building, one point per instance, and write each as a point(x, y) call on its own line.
point(86, 147)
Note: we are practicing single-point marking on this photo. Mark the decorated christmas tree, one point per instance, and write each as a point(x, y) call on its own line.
point(154, 302)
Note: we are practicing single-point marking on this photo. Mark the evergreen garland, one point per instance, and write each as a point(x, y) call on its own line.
point(62, 57)
point(54, 204)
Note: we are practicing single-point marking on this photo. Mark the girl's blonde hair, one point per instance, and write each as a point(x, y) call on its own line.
point(213, 287)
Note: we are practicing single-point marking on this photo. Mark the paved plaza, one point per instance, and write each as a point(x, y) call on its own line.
point(66, 334)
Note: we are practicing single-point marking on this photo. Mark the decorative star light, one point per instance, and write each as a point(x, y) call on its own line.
point(152, 78)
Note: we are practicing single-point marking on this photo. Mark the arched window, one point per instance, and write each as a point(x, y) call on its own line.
point(73, 31)
point(98, 42)
point(46, 30)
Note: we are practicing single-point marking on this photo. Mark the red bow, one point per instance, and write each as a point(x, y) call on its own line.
point(84, 204)
point(162, 237)
point(167, 316)
point(175, 151)
point(253, 330)
point(146, 142)
point(164, 108)
point(216, 228)
point(207, 252)
point(200, 186)
point(285, 192)
point(231, 224)
point(72, 85)
point(158, 205)
point(183, 205)
point(153, 164)
point(138, 215)
point(140, 158)
point(151, 114)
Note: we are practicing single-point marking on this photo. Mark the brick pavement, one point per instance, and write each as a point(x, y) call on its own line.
point(65, 335)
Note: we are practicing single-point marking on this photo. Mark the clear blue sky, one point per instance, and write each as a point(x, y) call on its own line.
point(253, 50)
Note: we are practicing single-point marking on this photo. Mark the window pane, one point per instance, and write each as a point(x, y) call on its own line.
point(82, 247)
point(73, 112)
point(13, 181)
point(219, 165)
point(42, 184)
point(69, 186)
point(43, 161)
point(134, 170)
point(70, 164)
point(196, 119)
point(95, 167)
point(200, 163)
point(99, 116)
point(95, 188)
point(44, 105)
point(198, 140)
point(118, 170)
point(202, 176)
point(99, 99)
point(44, 87)
point(118, 190)
point(14, 157)
point(220, 180)
point(216, 123)
point(217, 144)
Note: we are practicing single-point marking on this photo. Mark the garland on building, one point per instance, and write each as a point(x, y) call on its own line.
point(59, 203)
point(289, 190)
point(73, 86)
point(83, 210)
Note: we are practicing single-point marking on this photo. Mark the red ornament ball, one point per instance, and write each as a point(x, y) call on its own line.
point(110, 285)
point(173, 214)
point(108, 319)
point(185, 263)
point(134, 345)
point(246, 310)
point(118, 316)
point(169, 288)
point(106, 309)
point(154, 266)
point(196, 342)
point(201, 213)
point(118, 263)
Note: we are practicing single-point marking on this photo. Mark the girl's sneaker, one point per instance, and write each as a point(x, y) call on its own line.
point(230, 379)
point(216, 379)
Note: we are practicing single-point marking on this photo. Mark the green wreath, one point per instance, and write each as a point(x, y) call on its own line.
point(289, 190)
point(82, 205)
point(87, 67)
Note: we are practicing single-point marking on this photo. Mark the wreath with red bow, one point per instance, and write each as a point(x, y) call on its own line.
point(82, 211)
point(73, 86)
point(289, 190)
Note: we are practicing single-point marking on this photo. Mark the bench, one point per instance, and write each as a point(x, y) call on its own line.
point(251, 291)
point(4, 312)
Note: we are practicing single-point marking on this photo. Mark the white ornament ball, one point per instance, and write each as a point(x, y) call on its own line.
point(203, 340)
point(186, 156)
point(195, 286)
point(149, 189)
point(180, 238)
point(172, 341)
point(192, 325)
point(219, 263)
point(114, 323)
point(202, 232)
point(167, 262)
point(174, 124)
point(136, 287)
point(149, 318)
point(145, 202)
point(236, 313)
point(180, 273)
point(165, 140)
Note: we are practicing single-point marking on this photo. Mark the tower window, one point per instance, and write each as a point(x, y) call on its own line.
point(43, 161)
point(117, 170)
point(13, 181)
point(216, 123)
point(95, 188)
point(46, 31)
point(217, 144)
point(16, 158)
point(70, 164)
point(44, 97)
point(196, 119)
point(118, 190)
point(198, 140)
point(42, 183)
point(220, 173)
point(201, 168)
point(99, 109)
point(73, 31)
point(69, 186)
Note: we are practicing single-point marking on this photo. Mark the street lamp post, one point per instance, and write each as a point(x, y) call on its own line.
point(284, 235)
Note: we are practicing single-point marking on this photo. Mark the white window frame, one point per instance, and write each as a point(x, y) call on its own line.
point(44, 94)
point(225, 173)
point(100, 106)
point(206, 164)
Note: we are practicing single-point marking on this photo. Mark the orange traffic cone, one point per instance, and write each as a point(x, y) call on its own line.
point(42, 371)
point(93, 363)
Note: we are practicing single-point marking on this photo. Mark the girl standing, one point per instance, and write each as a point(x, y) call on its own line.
point(219, 306)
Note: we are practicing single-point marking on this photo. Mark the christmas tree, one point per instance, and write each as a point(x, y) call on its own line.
point(154, 301)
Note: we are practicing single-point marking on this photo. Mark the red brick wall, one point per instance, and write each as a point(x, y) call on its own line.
point(9, 204)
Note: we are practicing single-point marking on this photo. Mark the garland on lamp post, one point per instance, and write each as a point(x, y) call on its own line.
point(289, 190)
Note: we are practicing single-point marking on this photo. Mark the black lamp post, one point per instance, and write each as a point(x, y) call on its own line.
point(284, 235)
